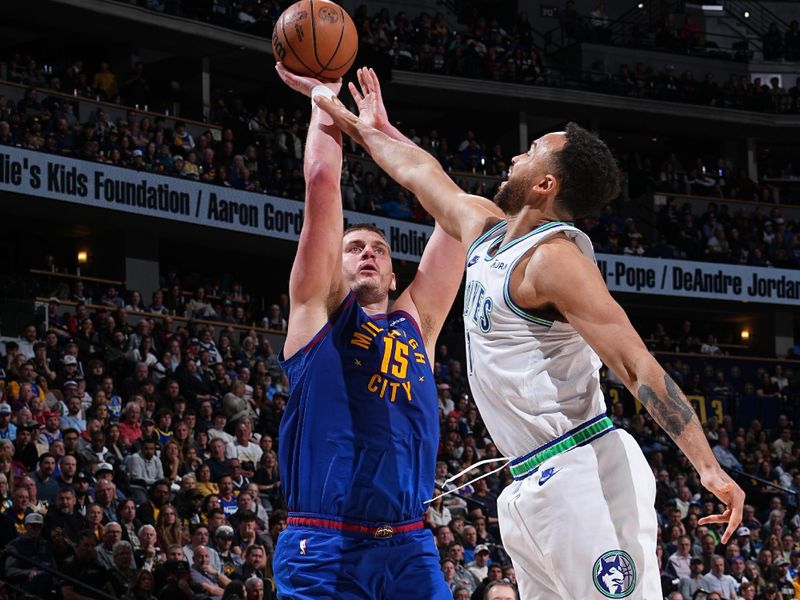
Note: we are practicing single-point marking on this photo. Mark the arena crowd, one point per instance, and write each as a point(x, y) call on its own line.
point(123, 448)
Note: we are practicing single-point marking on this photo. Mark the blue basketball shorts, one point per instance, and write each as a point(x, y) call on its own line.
point(316, 563)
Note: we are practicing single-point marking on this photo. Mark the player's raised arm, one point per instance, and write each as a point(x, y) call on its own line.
point(583, 299)
point(314, 285)
point(441, 268)
point(462, 215)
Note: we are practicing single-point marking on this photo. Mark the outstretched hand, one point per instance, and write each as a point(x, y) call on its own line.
point(369, 100)
point(304, 84)
point(724, 488)
point(346, 121)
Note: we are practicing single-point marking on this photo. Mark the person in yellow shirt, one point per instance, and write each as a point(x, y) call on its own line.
point(105, 81)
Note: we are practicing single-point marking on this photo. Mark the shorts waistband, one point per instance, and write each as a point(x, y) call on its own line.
point(523, 466)
point(381, 532)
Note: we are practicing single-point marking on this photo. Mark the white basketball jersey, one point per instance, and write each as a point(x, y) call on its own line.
point(533, 379)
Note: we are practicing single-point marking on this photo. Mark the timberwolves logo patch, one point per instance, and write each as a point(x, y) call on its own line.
point(614, 574)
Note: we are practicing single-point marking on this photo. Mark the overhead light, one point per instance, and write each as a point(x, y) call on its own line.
point(746, 14)
point(745, 334)
point(83, 257)
point(640, 5)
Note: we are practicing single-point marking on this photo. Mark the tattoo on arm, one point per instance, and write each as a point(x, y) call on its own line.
point(671, 410)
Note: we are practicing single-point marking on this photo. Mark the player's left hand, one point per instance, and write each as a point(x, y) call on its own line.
point(369, 99)
point(303, 84)
point(723, 487)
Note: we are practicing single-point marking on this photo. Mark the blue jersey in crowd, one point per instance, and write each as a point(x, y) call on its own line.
point(360, 433)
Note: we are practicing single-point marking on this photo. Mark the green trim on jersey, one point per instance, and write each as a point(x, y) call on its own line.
point(518, 310)
point(522, 238)
point(482, 237)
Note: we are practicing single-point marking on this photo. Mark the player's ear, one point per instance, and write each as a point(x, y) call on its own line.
point(393, 283)
point(548, 184)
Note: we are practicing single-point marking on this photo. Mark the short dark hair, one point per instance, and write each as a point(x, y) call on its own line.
point(587, 172)
point(276, 516)
point(498, 583)
point(195, 527)
point(365, 227)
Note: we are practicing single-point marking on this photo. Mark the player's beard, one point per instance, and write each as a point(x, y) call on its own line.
point(511, 196)
point(369, 290)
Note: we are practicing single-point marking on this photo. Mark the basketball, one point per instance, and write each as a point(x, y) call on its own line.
point(316, 38)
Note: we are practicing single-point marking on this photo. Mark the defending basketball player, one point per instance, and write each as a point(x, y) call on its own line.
point(579, 519)
point(360, 433)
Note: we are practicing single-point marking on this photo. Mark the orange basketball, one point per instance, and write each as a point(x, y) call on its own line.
point(315, 38)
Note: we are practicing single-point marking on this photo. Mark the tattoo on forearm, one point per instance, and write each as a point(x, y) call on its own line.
point(671, 410)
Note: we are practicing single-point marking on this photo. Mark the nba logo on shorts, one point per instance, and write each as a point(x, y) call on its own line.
point(303, 546)
point(614, 574)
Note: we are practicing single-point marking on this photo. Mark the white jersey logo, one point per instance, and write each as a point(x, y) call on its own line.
point(478, 306)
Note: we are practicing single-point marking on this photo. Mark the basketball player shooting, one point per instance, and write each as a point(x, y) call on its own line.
point(579, 518)
point(360, 434)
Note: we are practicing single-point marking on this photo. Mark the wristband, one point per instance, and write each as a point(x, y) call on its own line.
point(321, 90)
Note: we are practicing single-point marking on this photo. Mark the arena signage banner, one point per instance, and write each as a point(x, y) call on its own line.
point(691, 279)
point(104, 186)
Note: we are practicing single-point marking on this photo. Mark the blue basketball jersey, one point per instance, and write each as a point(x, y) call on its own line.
point(360, 433)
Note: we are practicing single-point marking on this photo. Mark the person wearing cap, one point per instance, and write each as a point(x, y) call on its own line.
point(794, 563)
point(8, 431)
point(32, 544)
point(689, 585)
point(223, 543)
point(479, 566)
point(69, 370)
point(148, 433)
point(716, 580)
point(744, 539)
point(781, 579)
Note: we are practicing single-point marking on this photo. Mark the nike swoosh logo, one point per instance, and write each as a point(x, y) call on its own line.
point(547, 474)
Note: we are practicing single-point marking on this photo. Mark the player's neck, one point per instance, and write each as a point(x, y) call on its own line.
point(378, 307)
point(528, 219)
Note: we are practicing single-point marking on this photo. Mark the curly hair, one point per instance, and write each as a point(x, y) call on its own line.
point(587, 171)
